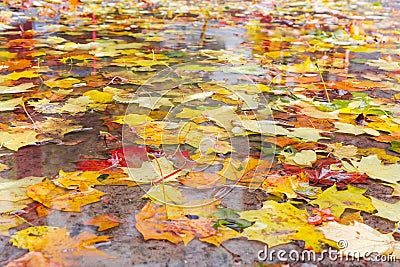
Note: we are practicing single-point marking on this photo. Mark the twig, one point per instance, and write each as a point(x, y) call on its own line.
point(29, 116)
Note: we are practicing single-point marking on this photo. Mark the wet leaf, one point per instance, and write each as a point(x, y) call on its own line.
point(223, 234)
point(22, 74)
point(395, 146)
point(57, 246)
point(16, 140)
point(76, 105)
point(202, 180)
point(59, 198)
point(277, 224)
point(359, 238)
point(289, 185)
point(10, 104)
point(103, 222)
point(33, 258)
point(99, 97)
point(338, 201)
point(7, 222)
point(165, 194)
point(328, 172)
point(152, 223)
point(374, 168)
point(62, 83)
point(386, 210)
point(21, 88)
point(154, 170)
point(354, 129)
point(28, 238)
point(13, 194)
point(303, 158)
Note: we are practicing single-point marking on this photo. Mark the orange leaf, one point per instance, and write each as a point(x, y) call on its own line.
point(42, 211)
point(280, 141)
point(153, 223)
point(202, 180)
point(59, 198)
point(104, 222)
point(60, 248)
point(18, 64)
point(32, 259)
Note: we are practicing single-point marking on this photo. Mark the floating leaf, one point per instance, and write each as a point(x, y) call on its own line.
point(104, 222)
point(14, 141)
point(57, 246)
point(277, 224)
point(59, 198)
point(152, 223)
point(23, 74)
point(62, 83)
point(22, 88)
point(13, 193)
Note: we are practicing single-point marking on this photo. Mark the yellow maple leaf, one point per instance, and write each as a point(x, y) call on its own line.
point(59, 198)
point(23, 74)
point(10, 104)
point(61, 83)
point(338, 201)
point(99, 97)
point(279, 223)
point(16, 140)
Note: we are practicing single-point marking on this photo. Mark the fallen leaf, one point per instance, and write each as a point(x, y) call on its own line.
point(10, 104)
point(386, 210)
point(59, 198)
point(28, 238)
point(165, 194)
point(359, 239)
point(338, 201)
point(154, 170)
point(340, 151)
point(21, 88)
point(381, 153)
point(99, 97)
point(23, 74)
point(103, 222)
point(351, 217)
point(354, 129)
point(14, 141)
point(76, 105)
point(152, 223)
point(31, 259)
point(303, 158)
point(374, 168)
point(223, 234)
point(57, 246)
point(62, 83)
point(288, 185)
point(133, 119)
point(307, 134)
point(278, 223)
point(202, 180)
point(9, 221)
point(13, 193)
